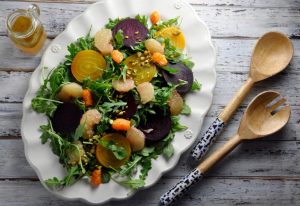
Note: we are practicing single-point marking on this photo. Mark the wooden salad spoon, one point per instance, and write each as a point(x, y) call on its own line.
point(260, 119)
point(272, 53)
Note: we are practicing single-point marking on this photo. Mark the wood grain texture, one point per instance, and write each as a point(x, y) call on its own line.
point(222, 21)
point(265, 172)
point(225, 3)
point(251, 159)
point(210, 191)
point(233, 56)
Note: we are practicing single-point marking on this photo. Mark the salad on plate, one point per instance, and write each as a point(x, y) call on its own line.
point(114, 103)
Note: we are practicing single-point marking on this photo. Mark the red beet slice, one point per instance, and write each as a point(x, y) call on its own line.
point(131, 107)
point(66, 118)
point(133, 31)
point(156, 127)
point(183, 73)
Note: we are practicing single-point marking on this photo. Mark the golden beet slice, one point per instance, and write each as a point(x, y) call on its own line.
point(140, 68)
point(106, 156)
point(88, 63)
point(175, 35)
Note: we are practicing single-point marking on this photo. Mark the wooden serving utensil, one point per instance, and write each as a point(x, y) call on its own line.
point(272, 53)
point(260, 119)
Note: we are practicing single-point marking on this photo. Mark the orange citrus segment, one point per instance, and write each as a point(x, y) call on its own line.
point(174, 34)
point(88, 63)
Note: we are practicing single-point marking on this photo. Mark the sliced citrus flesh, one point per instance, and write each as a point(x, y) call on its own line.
point(175, 35)
point(88, 63)
point(140, 68)
point(106, 156)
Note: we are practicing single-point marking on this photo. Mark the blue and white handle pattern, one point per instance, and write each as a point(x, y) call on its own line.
point(210, 135)
point(181, 187)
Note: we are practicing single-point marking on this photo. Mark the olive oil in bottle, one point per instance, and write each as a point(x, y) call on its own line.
point(25, 30)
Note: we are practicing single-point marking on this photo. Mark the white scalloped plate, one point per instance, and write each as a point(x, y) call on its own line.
point(199, 47)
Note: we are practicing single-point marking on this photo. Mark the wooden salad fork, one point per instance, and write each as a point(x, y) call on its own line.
point(261, 118)
point(272, 53)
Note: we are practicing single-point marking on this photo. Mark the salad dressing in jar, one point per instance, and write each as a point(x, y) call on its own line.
point(25, 29)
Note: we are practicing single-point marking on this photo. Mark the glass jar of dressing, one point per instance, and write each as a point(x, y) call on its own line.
point(25, 29)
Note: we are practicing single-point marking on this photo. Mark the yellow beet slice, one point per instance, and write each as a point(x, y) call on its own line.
point(106, 157)
point(175, 35)
point(88, 63)
point(140, 68)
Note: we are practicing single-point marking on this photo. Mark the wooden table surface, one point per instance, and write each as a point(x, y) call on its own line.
point(265, 172)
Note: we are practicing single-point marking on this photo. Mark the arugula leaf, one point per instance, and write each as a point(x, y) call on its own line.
point(130, 165)
point(186, 109)
point(146, 167)
point(168, 151)
point(147, 151)
point(106, 176)
point(162, 96)
point(176, 126)
point(70, 178)
point(43, 105)
point(139, 47)
point(118, 151)
point(54, 182)
point(99, 87)
point(171, 52)
point(83, 43)
point(188, 63)
point(56, 142)
point(112, 23)
point(114, 105)
point(79, 132)
point(45, 136)
point(119, 39)
point(170, 69)
point(124, 73)
point(59, 76)
point(132, 183)
point(196, 86)
point(44, 102)
point(164, 142)
point(143, 19)
point(167, 23)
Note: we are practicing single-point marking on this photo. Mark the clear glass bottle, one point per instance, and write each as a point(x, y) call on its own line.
point(25, 29)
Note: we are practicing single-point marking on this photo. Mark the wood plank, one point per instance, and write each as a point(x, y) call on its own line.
point(10, 119)
point(246, 3)
point(218, 3)
point(251, 159)
point(211, 191)
point(15, 84)
point(14, 59)
point(232, 55)
point(222, 21)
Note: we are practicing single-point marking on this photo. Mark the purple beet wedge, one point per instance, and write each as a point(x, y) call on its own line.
point(133, 31)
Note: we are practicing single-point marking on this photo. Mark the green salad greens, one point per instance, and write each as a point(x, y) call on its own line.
point(114, 103)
